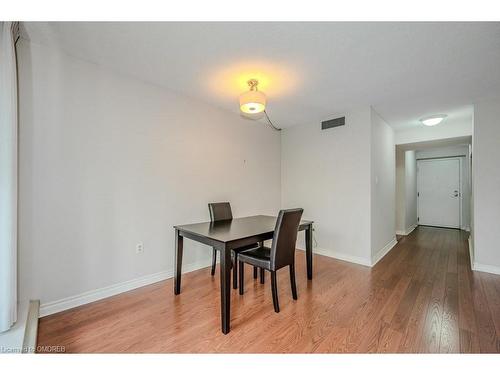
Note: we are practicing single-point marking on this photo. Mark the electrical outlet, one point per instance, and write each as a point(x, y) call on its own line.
point(139, 248)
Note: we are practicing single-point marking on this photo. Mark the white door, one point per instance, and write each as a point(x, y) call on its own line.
point(439, 192)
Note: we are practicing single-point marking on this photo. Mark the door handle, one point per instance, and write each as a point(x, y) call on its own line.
point(455, 193)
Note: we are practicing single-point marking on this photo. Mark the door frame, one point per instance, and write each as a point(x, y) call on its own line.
point(460, 193)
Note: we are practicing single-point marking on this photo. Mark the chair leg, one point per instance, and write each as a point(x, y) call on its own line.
point(262, 270)
point(214, 261)
point(242, 277)
point(254, 272)
point(235, 271)
point(274, 289)
point(292, 281)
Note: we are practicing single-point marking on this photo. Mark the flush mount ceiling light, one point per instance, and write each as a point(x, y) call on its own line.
point(432, 120)
point(254, 101)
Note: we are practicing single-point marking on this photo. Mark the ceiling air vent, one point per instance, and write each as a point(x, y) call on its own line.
point(333, 123)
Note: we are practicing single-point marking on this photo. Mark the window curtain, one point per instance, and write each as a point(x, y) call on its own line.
point(8, 175)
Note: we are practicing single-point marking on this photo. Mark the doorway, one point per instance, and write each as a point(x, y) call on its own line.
point(439, 194)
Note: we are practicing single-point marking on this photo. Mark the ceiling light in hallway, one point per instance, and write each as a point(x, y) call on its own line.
point(432, 120)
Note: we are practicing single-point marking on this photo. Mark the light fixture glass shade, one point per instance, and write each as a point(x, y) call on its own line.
point(433, 120)
point(252, 102)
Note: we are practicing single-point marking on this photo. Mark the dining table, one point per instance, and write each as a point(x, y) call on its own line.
point(225, 236)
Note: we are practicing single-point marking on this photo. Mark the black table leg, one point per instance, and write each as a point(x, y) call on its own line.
point(262, 275)
point(309, 252)
point(179, 243)
point(225, 289)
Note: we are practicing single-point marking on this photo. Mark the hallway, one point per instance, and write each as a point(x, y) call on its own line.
point(421, 297)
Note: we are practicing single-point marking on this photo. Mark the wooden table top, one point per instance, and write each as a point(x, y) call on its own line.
point(237, 228)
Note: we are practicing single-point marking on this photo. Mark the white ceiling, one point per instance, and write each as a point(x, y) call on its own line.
point(309, 71)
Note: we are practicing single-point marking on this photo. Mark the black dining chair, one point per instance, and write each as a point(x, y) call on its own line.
point(281, 253)
point(222, 211)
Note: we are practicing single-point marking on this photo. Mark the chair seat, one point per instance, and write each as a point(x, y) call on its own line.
point(245, 248)
point(260, 257)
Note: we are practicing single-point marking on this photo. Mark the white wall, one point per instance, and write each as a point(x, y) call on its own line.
point(327, 172)
point(400, 191)
point(443, 152)
point(463, 152)
point(107, 161)
point(458, 128)
point(486, 185)
point(344, 178)
point(406, 191)
point(383, 186)
point(410, 190)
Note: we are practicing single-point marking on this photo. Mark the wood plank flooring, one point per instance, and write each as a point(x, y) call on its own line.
point(422, 297)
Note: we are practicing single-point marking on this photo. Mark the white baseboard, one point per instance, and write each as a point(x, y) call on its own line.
point(341, 256)
point(407, 231)
point(411, 229)
point(49, 308)
point(478, 266)
point(471, 252)
point(31, 331)
point(355, 259)
point(382, 252)
point(486, 268)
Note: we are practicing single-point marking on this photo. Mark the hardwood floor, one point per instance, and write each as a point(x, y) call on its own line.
point(422, 297)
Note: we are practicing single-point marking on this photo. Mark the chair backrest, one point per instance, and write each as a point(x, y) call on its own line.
point(220, 211)
point(285, 237)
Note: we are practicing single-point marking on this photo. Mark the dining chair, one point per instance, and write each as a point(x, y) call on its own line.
point(281, 253)
point(222, 211)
